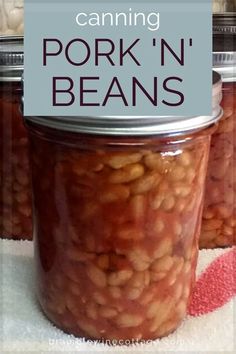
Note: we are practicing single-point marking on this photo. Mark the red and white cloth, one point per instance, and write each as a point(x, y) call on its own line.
point(209, 327)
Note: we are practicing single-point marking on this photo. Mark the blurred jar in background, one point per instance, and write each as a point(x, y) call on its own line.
point(223, 6)
point(11, 17)
point(219, 217)
point(15, 191)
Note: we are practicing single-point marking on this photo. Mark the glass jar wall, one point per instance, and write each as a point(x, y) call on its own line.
point(15, 197)
point(117, 222)
point(219, 217)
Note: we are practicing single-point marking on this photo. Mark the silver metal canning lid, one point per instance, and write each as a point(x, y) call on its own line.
point(224, 23)
point(11, 58)
point(137, 125)
point(225, 64)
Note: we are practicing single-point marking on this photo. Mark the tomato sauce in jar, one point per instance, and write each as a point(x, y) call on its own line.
point(219, 217)
point(117, 220)
point(15, 197)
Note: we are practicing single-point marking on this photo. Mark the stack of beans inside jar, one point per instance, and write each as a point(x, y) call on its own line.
point(219, 217)
point(15, 197)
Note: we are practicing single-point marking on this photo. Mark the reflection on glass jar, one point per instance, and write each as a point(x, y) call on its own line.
point(117, 221)
point(15, 198)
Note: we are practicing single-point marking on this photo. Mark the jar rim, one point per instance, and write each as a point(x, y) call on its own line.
point(86, 125)
point(224, 62)
point(224, 22)
point(11, 58)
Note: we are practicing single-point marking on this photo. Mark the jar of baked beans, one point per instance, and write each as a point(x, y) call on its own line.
point(219, 217)
point(118, 207)
point(15, 196)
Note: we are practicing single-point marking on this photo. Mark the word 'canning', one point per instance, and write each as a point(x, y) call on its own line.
point(150, 20)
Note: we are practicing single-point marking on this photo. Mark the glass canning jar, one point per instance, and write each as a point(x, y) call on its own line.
point(117, 213)
point(219, 217)
point(15, 191)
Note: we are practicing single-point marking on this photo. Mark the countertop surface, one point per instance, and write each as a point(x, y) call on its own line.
point(26, 330)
